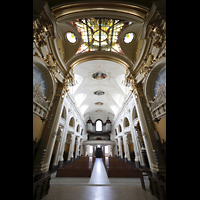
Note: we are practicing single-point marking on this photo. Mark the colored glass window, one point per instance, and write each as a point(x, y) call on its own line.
point(99, 34)
point(71, 37)
point(128, 37)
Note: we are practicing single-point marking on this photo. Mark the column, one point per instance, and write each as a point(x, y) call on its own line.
point(103, 150)
point(139, 141)
point(115, 149)
point(58, 138)
point(137, 148)
point(77, 146)
point(71, 148)
point(120, 146)
point(62, 146)
point(138, 94)
point(82, 148)
point(52, 129)
point(126, 149)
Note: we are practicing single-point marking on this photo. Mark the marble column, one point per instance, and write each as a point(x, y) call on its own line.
point(77, 146)
point(71, 148)
point(145, 129)
point(120, 146)
point(62, 146)
point(52, 137)
point(137, 147)
point(126, 149)
point(58, 138)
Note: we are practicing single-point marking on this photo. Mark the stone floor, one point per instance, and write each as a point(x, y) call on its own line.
point(98, 187)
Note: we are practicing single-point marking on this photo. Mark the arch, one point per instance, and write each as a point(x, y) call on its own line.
point(64, 113)
point(98, 125)
point(126, 122)
point(81, 131)
point(134, 113)
point(50, 85)
point(77, 128)
point(149, 83)
point(120, 128)
point(92, 55)
point(128, 11)
point(72, 122)
point(38, 78)
point(115, 131)
point(160, 80)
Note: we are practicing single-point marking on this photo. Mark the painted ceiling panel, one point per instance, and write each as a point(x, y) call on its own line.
point(99, 81)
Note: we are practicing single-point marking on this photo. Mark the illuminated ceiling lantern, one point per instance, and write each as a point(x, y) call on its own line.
point(99, 34)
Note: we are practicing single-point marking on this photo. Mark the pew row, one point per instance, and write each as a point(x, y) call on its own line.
point(116, 168)
point(79, 168)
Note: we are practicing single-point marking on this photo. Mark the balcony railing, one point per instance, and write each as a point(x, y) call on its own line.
point(39, 110)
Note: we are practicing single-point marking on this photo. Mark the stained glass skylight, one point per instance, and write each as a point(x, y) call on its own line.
point(99, 34)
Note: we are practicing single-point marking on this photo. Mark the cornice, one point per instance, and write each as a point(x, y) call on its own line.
point(132, 10)
point(98, 142)
point(99, 55)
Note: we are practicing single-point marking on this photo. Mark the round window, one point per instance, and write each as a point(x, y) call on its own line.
point(128, 37)
point(71, 37)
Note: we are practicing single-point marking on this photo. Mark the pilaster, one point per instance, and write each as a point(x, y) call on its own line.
point(148, 132)
point(71, 148)
point(51, 128)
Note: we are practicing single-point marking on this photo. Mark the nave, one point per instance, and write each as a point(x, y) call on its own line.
point(98, 187)
point(99, 83)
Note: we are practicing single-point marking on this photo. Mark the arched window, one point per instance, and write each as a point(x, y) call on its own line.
point(71, 122)
point(126, 122)
point(98, 125)
point(39, 79)
point(160, 80)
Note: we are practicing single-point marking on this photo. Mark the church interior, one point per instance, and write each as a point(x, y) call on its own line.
point(99, 99)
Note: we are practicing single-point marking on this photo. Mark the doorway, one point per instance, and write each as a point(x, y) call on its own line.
point(99, 152)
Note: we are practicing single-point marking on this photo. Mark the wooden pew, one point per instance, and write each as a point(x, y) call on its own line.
point(79, 168)
point(158, 188)
point(118, 168)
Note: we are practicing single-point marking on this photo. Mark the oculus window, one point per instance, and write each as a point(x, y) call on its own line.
point(98, 125)
point(71, 37)
point(128, 37)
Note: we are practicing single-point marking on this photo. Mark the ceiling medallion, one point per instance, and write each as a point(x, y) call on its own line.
point(98, 103)
point(99, 75)
point(99, 92)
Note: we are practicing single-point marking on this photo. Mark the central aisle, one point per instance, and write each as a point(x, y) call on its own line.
point(99, 175)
